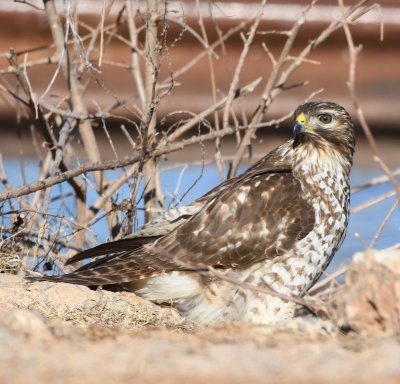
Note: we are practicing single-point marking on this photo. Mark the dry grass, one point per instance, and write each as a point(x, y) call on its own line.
point(80, 306)
point(118, 312)
point(10, 256)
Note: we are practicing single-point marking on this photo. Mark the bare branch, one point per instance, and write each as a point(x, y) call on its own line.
point(278, 77)
point(353, 52)
point(161, 150)
point(217, 106)
point(239, 66)
point(148, 126)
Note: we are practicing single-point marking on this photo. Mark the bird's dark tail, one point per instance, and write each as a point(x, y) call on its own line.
point(126, 256)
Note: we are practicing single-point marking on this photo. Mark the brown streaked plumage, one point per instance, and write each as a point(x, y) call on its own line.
point(280, 223)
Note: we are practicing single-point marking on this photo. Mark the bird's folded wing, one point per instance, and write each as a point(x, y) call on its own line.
point(262, 217)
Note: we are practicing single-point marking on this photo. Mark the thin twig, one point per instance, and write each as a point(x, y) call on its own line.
point(135, 65)
point(317, 288)
point(217, 106)
point(279, 75)
point(375, 181)
point(373, 201)
point(239, 66)
point(351, 84)
point(161, 150)
point(267, 96)
point(383, 224)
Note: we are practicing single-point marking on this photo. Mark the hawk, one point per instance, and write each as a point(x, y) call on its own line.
point(278, 225)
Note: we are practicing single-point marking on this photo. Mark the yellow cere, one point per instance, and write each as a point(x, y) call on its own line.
point(301, 118)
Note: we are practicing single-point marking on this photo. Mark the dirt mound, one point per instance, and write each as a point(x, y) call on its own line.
point(66, 333)
point(79, 305)
point(370, 299)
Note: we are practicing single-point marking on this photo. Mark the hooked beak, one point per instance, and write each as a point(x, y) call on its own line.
point(299, 125)
point(298, 128)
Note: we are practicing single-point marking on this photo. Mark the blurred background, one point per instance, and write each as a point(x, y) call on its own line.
point(378, 70)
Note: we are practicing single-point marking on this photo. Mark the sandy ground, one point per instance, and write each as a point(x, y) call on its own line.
point(59, 333)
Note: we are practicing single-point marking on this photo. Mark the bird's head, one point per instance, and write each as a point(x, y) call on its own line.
point(326, 128)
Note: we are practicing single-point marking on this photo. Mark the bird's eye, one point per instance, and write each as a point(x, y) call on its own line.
point(325, 118)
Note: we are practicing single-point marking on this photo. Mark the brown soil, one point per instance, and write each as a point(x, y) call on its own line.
point(64, 333)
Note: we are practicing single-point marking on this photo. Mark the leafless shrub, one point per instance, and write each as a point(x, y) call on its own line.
point(77, 56)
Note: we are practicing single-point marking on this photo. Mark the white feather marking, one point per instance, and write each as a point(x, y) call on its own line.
point(170, 287)
point(242, 197)
point(224, 212)
point(243, 194)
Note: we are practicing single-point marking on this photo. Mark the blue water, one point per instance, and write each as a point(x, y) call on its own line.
point(197, 180)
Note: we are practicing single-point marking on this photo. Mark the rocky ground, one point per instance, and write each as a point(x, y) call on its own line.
point(59, 333)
